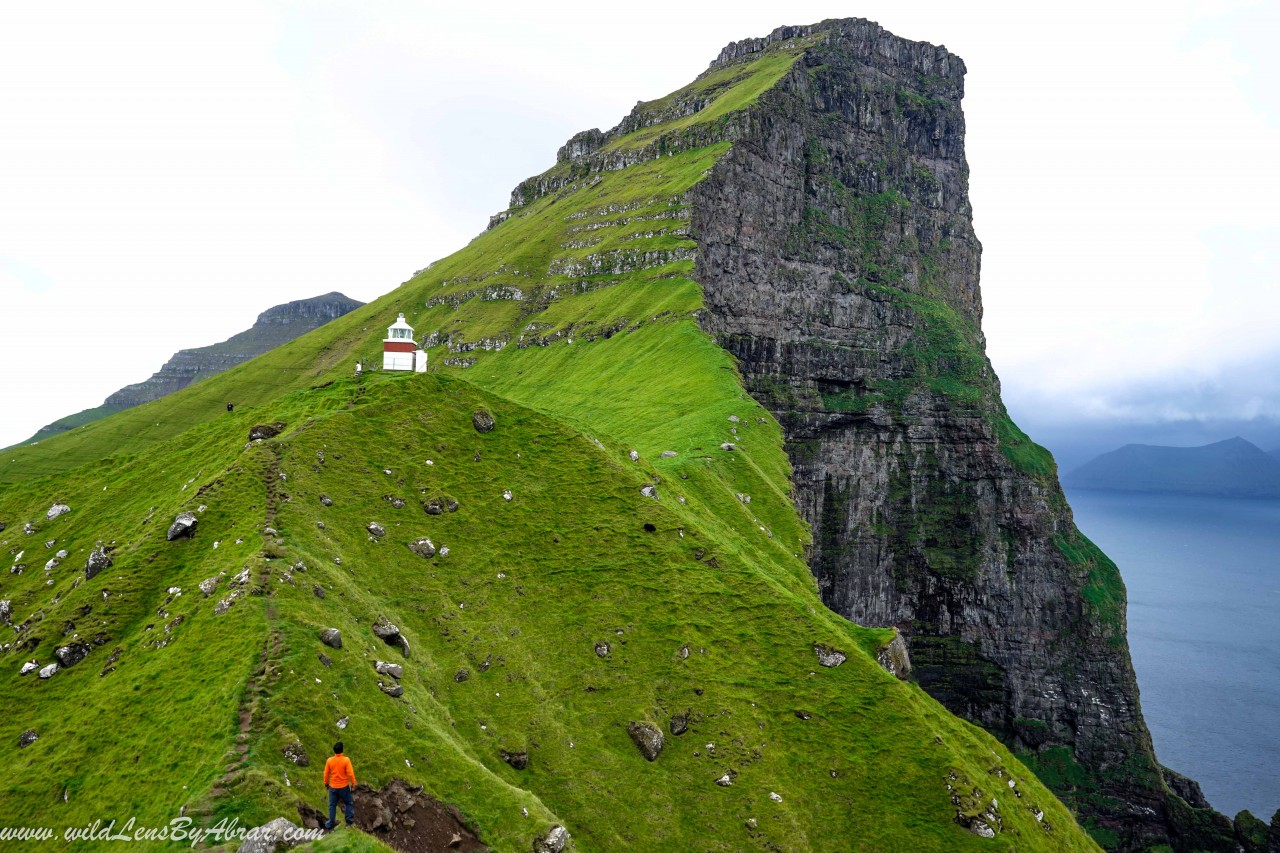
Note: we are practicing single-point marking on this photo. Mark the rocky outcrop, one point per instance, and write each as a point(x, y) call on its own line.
point(840, 266)
point(274, 327)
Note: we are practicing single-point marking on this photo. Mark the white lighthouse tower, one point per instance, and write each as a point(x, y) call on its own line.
point(399, 352)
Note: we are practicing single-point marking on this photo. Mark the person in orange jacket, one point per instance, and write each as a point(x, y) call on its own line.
point(340, 779)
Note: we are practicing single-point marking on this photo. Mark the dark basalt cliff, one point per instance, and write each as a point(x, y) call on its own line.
point(275, 326)
point(840, 266)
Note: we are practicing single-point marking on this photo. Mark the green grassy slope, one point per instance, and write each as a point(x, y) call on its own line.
point(573, 322)
point(527, 590)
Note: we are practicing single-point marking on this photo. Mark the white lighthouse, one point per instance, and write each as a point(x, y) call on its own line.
point(399, 352)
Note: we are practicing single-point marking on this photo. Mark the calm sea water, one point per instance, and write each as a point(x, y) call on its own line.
point(1204, 629)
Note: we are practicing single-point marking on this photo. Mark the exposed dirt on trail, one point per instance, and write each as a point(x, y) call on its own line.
point(403, 817)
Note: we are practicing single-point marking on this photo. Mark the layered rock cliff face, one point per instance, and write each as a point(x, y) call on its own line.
point(274, 327)
point(840, 266)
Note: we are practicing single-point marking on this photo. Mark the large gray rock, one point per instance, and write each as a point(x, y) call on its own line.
point(265, 431)
point(827, 656)
point(6, 612)
point(376, 530)
point(27, 738)
point(386, 630)
point(270, 837)
point(482, 420)
point(57, 510)
point(331, 637)
point(208, 585)
point(894, 658)
point(648, 739)
point(553, 841)
point(423, 547)
point(184, 524)
point(394, 670)
point(98, 560)
point(48, 671)
point(392, 690)
point(72, 653)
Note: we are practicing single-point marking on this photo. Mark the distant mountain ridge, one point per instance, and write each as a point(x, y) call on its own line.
point(1231, 468)
point(276, 326)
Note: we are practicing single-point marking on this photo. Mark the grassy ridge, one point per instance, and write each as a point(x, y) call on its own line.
point(577, 566)
point(575, 322)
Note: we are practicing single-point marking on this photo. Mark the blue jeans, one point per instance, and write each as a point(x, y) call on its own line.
point(348, 806)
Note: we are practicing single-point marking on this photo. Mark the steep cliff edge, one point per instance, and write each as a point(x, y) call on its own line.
point(840, 266)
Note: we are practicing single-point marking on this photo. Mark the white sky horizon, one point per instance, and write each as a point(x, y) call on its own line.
point(169, 171)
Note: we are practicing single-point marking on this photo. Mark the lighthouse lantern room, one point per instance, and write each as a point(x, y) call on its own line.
point(399, 351)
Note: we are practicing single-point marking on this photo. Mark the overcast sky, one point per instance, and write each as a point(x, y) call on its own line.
point(169, 170)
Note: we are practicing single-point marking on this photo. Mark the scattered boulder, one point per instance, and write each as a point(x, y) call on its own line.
point(679, 724)
point(376, 530)
point(827, 656)
point(48, 671)
point(396, 502)
point(648, 739)
point(894, 658)
point(649, 491)
point(978, 827)
point(72, 653)
point(728, 445)
point(6, 612)
point(184, 524)
point(57, 510)
point(394, 670)
point(553, 841)
point(439, 504)
point(331, 637)
point(804, 715)
point(325, 659)
point(386, 631)
point(667, 454)
point(262, 432)
point(634, 456)
point(482, 420)
point(317, 591)
point(423, 547)
point(208, 585)
point(29, 667)
point(343, 722)
point(725, 781)
point(602, 650)
point(271, 837)
point(519, 760)
point(27, 738)
point(461, 675)
point(297, 753)
point(326, 500)
point(98, 560)
point(392, 690)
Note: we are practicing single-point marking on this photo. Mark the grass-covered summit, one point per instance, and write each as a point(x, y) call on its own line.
point(621, 554)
